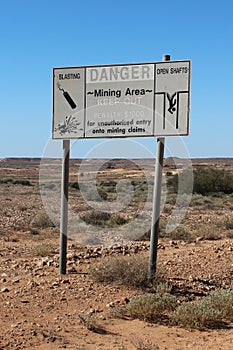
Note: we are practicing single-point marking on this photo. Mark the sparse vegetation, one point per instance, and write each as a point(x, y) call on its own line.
point(195, 315)
point(23, 207)
point(91, 323)
point(74, 185)
point(126, 270)
point(105, 283)
point(222, 301)
point(44, 249)
point(213, 311)
point(15, 182)
point(206, 180)
point(151, 307)
point(50, 186)
point(163, 287)
point(229, 223)
point(144, 345)
point(180, 233)
point(210, 312)
point(41, 220)
point(103, 219)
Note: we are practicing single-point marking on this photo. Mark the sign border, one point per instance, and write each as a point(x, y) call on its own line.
point(114, 65)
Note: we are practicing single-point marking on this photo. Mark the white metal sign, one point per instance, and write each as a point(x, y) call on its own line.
point(145, 99)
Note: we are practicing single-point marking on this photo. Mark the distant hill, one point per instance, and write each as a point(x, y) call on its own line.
point(25, 162)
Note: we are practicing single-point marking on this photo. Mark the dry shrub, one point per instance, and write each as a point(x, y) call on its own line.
point(229, 223)
point(91, 323)
point(41, 220)
point(144, 345)
point(151, 307)
point(210, 312)
point(206, 181)
point(195, 315)
point(103, 219)
point(126, 270)
point(222, 301)
point(44, 249)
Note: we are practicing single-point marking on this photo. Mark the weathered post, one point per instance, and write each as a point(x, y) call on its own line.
point(156, 204)
point(64, 206)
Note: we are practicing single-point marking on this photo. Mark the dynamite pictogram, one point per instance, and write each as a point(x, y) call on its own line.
point(67, 97)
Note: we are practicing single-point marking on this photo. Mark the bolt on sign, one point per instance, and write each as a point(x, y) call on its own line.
point(128, 100)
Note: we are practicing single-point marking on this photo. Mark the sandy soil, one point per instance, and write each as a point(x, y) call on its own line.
point(40, 309)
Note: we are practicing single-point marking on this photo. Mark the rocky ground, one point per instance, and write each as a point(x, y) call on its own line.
point(40, 309)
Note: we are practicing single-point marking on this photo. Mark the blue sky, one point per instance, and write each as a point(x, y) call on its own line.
point(36, 36)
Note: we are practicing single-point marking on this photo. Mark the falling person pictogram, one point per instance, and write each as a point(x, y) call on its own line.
point(172, 102)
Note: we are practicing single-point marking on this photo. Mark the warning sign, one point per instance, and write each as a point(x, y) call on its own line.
point(172, 81)
point(136, 100)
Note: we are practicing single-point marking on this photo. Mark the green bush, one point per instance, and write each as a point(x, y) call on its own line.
point(222, 301)
point(207, 313)
point(103, 219)
point(210, 180)
point(15, 182)
point(6, 181)
point(22, 182)
point(206, 180)
point(96, 218)
point(151, 307)
point(195, 315)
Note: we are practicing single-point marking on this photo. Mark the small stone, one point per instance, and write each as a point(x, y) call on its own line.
point(73, 270)
point(5, 290)
point(50, 262)
point(102, 317)
point(63, 299)
point(55, 284)
point(66, 281)
point(15, 281)
point(111, 304)
point(199, 239)
point(172, 243)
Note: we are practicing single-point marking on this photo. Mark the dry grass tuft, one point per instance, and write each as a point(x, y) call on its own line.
point(91, 323)
point(144, 345)
point(126, 270)
point(44, 249)
point(41, 220)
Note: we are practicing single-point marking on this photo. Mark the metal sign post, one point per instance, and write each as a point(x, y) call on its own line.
point(156, 205)
point(64, 206)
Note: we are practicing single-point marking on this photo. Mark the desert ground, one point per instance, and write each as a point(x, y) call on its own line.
point(41, 309)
